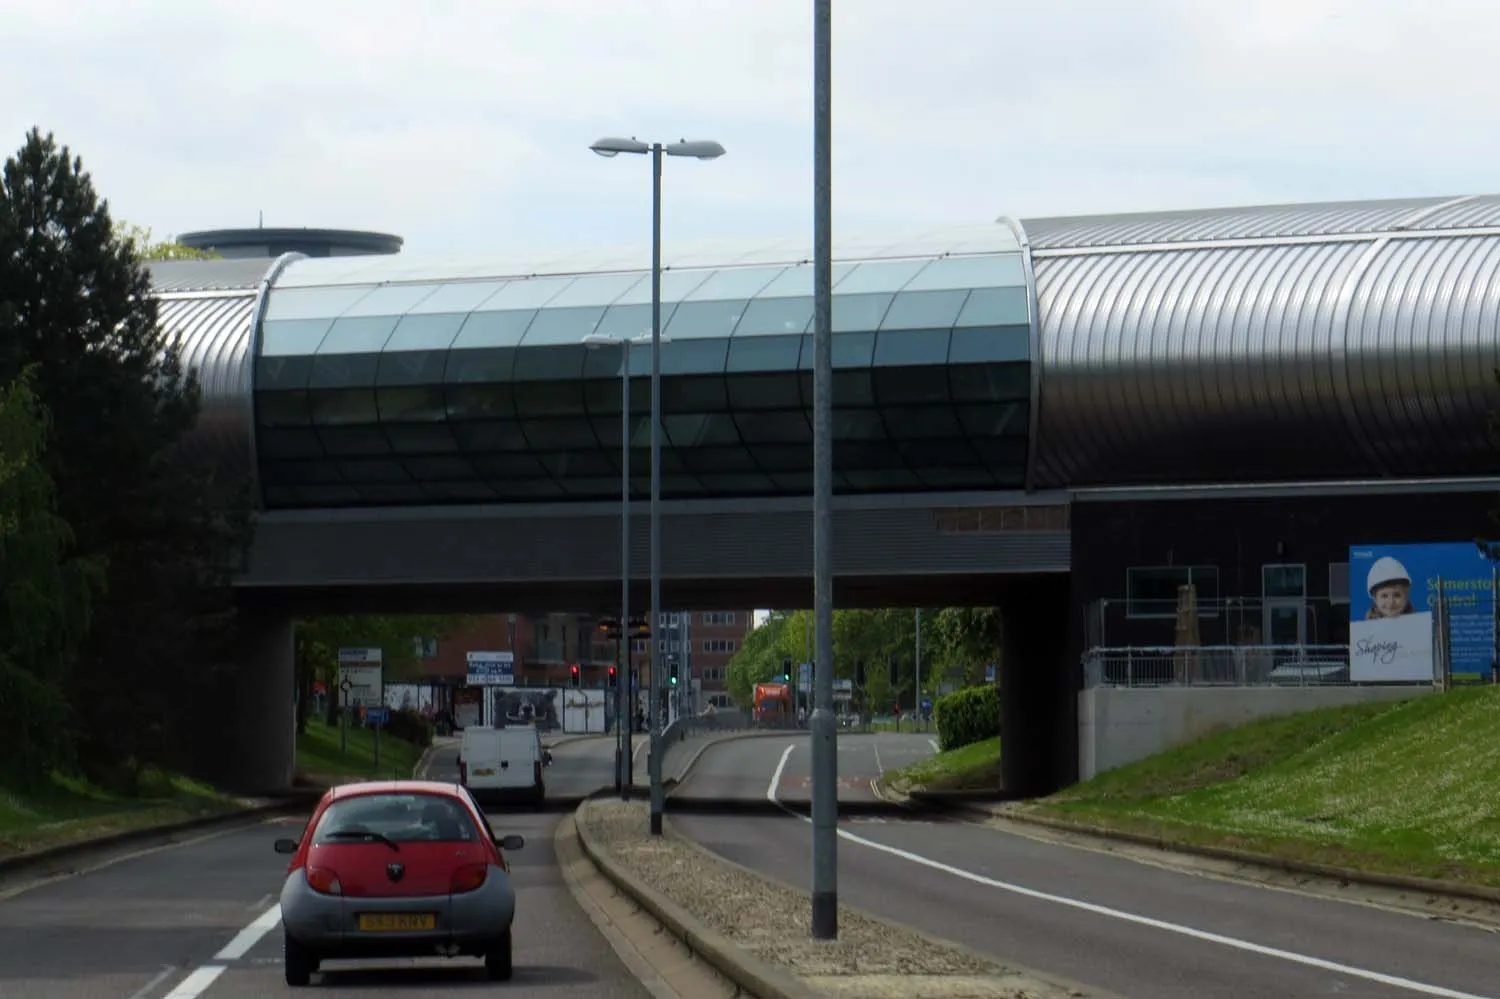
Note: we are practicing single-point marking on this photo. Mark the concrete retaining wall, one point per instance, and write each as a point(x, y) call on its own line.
point(1119, 725)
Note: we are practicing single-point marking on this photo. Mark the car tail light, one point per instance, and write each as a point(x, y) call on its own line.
point(463, 772)
point(468, 877)
point(325, 880)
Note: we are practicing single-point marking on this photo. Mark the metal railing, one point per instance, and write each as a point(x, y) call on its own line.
point(1218, 666)
point(1121, 622)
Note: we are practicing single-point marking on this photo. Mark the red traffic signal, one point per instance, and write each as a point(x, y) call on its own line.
point(574, 670)
point(611, 676)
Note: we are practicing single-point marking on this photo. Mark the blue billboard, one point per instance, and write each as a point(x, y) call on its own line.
point(1389, 582)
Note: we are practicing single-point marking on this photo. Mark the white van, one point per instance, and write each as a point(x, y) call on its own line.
point(503, 763)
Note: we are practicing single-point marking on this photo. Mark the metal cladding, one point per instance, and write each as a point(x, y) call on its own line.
point(1283, 343)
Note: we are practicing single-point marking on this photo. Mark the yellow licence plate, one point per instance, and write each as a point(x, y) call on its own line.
point(485, 772)
point(396, 922)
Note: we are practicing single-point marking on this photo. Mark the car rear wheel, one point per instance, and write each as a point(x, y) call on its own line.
point(298, 962)
point(497, 965)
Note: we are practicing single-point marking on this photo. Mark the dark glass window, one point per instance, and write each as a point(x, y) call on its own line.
point(905, 348)
point(775, 316)
point(527, 489)
point(691, 430)
point(458, 492)
point(921, 422)
point(439, 468)
point(988, 344)
point(549, 398)
point(850, 388)
point(516, 465)
point(550, 435)
point(989, 382)
point(301, 473)
point(282, 372)
point(292, 337)
point(601, 397)
point(718, 459)
point(999, 452)
point(882, 480)
point(858, 425)
point(764, 353)
point(995, 307)
point(542, 363)
point(288, 443)
point(768, 391)
point(467, 366)
point(342, 407)
point(343, 371)
point(420, 438)
point(411, 404)
point(773, 427)
point(372, 470)
point(555, 327)
point(737, 484)
point(282, 409)
point(853, 456)
point(480, 402)
point(581, 464)
point(783, 458)
point(354, 441)
point(489, 435)
point(958, 477)
point(381, 494)
point(705, 320)
point(692, 357)
point(909, 386)
point(315, 496)
point(603, 487)
point(365, 335)
point(999, 420)
point(859, 313)
point(688, 394)
point(937, 454)
point(1151, 592)
point(922, 310)
point(493, 329)
point(411, 367)
point(425, 332)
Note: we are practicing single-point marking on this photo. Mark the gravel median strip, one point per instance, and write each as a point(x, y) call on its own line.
point(871, 959)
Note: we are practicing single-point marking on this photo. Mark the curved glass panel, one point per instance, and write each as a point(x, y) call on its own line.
point(737, 485)
point(343, 370)
point(420, 438)
point(675, 286)
point(916, 423)
point(699, 430)
point(430, 332)
point(527, 293)
point(284, 304)
point(282, 409)
point(411, 367)
point(560, 434)
point(909, 386)
point(283, 372)
point(774, 427)
point(585, 464)
point(493, 329)
point(292, 337)
point(695, 394)
point(775, 316)
point(703, 459)
point(705, 320)
point(373, 470)
point(911, 347)
point(563, 397)
point(694, 357)
point(507, 466)
point(880, 276)
point(458, 492)
point(923, 310)
point(749, 392)
point(928, 454)
point(596, 289)
point(989, 344)
point(995, 307)
point(274, 443)
point(550, 363)
point(784, 457)
point(763, 353)
point(301, 473)
point(983, 271)
point(858, 425)
point(797, 281)
point(389, 300)
point(734, 283)
point(622, 322)
point(485, 401)
point(479, 366)
point(990, 382)
point(998, 420)
point(859, 313)
point(417, 404)
point(354, 441)
point(854, 387)
point(562, 326)
point(357, 336)
point(460, 297)
point(342, 407)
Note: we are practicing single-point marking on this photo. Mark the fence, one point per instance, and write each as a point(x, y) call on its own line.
point(1217, 665)
point(1135, 623)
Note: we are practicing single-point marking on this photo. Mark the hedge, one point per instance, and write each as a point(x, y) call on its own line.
point(410, 726)
point(969, 716)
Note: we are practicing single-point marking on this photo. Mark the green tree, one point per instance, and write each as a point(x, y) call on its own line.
point(148, 247)
point(45, 595)
point(157, 516)
point(967, 638)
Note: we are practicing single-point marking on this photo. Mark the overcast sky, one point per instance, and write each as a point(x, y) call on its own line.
point(464, 126)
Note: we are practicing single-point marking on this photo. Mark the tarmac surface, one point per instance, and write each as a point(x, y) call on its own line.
point(199, 919)
point(1131, 928)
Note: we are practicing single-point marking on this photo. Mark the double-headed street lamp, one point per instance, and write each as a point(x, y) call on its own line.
point(702, 150)
point(623, 688)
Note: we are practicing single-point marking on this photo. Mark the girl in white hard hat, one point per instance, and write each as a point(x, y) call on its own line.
point(1390, 589)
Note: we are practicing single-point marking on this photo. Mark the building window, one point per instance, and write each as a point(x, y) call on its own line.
point(1287, 581)
point(669, 620)
point(639, 645)
point(713, 674)
point(713, 619)
point(1151, 591)
point(425, 648)
point(1338, 583)
point(725, 646)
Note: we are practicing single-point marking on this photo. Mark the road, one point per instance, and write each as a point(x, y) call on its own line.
point(743, 769)
point(579, 767)
point(1134, 929)
point(198, 920)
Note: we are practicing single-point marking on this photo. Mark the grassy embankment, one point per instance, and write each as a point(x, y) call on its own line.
point(319, 759)
point(1405, 788)
point(70, 810)
point(969, 768)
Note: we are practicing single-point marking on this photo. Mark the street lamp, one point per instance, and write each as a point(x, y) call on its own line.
point(702, 150)
point(623, 689)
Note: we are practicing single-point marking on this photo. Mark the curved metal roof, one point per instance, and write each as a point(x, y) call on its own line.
point(1361, 344)
point(214, 336)
point(169, 276)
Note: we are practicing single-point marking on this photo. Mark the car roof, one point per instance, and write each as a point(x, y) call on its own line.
point(368, 787)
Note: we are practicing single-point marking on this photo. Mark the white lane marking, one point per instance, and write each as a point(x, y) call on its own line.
point(879, 767)
point(775, 784)
point(250, 935)
point(934, 745)
point(1421, 988)
point(161, 976)
point(197, 983)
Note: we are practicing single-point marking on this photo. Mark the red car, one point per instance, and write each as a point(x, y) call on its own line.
point(403, 868)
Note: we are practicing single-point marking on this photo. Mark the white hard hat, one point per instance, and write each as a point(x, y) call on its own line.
point(1386, 570)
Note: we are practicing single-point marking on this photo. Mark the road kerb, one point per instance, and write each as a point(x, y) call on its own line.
point(744, 969)
point(686, 768)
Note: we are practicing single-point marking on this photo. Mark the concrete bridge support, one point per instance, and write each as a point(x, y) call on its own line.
point(261, 728)
point(1038, 690)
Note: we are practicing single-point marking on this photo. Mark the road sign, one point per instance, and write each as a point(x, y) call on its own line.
point(926, 705)
point(361, 678)
point(804, 677)
point(843, 686)
point(989, 673)
point(492, 669)
point(377, 716)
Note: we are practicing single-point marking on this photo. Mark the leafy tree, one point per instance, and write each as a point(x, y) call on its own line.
point(147, 247)
point(155, 515)
point(45, 595)
point(969, 638)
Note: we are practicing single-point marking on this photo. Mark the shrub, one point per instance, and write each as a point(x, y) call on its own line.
point(410, 726)
point(969, 716)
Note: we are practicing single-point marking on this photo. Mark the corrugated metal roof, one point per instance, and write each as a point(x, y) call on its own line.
point(214, 335)
point(1244, 363)
point(1473, 212)
point(169, 276)
point(676, 255)
point(1250, 222)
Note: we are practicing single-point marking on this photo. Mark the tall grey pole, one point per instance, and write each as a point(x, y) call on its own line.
point(917, 663)
point(658, 797)
point(622, 680)
point(825, 770)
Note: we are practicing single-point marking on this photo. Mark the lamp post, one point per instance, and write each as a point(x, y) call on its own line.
point(701, 150)
point(623, 685)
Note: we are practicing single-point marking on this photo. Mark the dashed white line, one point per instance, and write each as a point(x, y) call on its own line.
point(197, 983)
point(250, 935)
point(934, 745)
point(879, 767)
point(1421, 988)
point(775, 784)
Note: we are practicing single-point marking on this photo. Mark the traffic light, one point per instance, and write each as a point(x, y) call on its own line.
point(639, 626)
point(612, 676)
point(894, 670)
point(574, 670)
point(672, 662)
point(859, 672)
point(786, 669)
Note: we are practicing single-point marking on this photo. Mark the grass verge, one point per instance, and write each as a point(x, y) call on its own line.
point(319, 757)
point(968, 768)
point(70, 810)
point(1403, 787)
